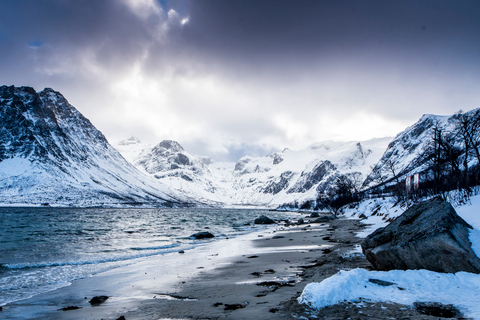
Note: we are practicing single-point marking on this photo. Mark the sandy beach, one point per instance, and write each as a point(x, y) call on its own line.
point(256, 276)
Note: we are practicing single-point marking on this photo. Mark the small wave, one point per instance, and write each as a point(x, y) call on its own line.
point(89, 262)
point(156, 248)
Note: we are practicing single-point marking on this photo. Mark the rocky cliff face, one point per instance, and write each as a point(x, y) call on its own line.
point(170, 164)
point(50, 153)
point(410, 151)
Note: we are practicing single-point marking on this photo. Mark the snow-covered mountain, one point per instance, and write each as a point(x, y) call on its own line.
point(50, 153)
point(300, 176)
point(410, 151)
point(269, 181)
point(169, 163)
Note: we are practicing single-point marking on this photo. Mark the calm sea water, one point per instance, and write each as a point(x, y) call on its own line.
point(42, 249)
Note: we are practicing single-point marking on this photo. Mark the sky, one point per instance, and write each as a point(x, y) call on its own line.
point(232, 78)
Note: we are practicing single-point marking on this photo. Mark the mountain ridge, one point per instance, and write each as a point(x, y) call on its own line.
point(267, 181)
point(51, 154)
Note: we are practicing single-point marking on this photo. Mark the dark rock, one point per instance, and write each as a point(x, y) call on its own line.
point(181, 251)
point(278, 237)
point(233, 306)
point(429, 235)
point(277, 158)
point(202, 235)
point(96, 301)
point(171, 145)
point(264, 220)
point(382, 283)
point(314, 215)
point(309, 179)
point(121, 318)
point(437, 309)
point(182, 159)
point(217, 304)
point(69, 308)
point(275, 186)
point(300, 221)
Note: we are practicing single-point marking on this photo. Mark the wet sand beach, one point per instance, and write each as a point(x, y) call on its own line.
point(256, 276)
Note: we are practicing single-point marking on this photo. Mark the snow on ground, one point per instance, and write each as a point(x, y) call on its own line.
point(461, 289)
point(471, 214)
point(376, 212)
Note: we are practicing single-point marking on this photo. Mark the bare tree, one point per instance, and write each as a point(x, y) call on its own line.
point(468, 128)
point(356, 180)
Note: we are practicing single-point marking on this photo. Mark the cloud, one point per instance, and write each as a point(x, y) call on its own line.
point(226, 78)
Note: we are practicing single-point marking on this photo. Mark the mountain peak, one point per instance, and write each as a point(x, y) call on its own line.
point(64, 159)
point(171, 145)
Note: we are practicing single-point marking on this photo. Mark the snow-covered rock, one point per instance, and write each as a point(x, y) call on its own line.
point(50, 153)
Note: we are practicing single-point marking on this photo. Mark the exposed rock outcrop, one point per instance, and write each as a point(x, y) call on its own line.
point(264, 220)
point(98, 300)
point(429, 235)
point(202, 235)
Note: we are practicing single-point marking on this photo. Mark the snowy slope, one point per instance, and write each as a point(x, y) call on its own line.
point(268, 181)
point(290, 176)
point(50, 153)
point(407, 153)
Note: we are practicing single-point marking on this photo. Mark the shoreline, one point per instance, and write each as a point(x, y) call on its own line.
point(263, 286)
point(254, 276)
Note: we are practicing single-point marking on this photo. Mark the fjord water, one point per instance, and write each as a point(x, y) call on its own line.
point(42, 249)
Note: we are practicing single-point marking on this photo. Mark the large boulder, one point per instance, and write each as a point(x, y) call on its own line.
point(264, 220)
point(429, 235)
point(202, 235)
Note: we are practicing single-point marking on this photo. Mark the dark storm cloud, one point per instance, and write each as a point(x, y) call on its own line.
point(105, 27)
point(247, 74)
point(299, 32)
point(416, 52)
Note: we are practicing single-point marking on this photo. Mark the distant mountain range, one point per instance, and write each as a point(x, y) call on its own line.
point(51, 154)
point(267, 181)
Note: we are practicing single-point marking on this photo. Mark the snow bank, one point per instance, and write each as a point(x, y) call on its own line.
point(471, 214)
point(461, 289)
point(377, 213)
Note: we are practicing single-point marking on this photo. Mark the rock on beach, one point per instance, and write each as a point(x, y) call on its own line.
point(264, 220)
point(202, 235)
point(429, 235)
